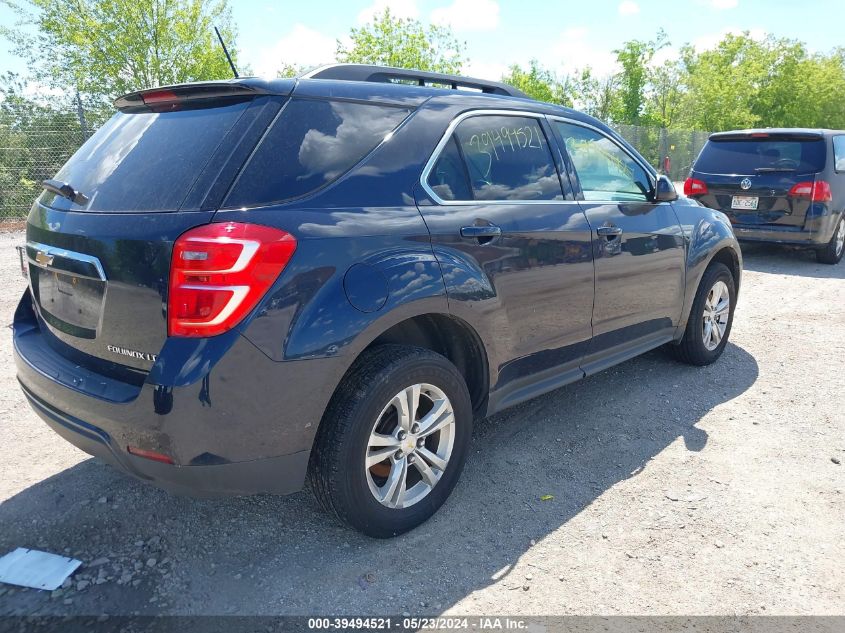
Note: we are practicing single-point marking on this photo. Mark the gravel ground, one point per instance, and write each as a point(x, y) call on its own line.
point(676, 490)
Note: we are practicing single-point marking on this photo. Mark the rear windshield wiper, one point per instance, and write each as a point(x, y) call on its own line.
point(64, 190)
point(774, 169)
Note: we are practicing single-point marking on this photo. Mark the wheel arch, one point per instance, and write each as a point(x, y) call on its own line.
point(711, 241)
point(448, 336)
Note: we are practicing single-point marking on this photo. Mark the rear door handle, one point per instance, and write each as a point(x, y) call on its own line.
point(609, 231)
point(480, 232)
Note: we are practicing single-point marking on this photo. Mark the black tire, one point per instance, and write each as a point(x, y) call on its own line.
point(833, 251)
point(691, 349)
point(336, 471)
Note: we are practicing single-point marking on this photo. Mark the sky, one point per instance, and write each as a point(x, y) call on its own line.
point(561, 35)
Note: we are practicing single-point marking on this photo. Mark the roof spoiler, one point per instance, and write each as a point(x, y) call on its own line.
point(176, 97)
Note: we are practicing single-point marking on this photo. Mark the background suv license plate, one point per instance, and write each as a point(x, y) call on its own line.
point(747, 203)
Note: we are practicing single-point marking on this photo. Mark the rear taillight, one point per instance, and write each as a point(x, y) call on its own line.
point(219, 273)
point(694, 187)
point(818, 191)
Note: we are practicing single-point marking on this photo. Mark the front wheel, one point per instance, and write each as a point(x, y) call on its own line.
point(832, 252)
point(711, 318)
point(393, 441)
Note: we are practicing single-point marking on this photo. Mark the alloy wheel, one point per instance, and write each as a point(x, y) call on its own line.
point(717, 308)
point(410, 446)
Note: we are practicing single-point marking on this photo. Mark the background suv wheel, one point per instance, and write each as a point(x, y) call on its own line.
point(832, 253)
point(393, 441)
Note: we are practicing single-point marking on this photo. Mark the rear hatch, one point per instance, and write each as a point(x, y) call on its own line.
point(760, 178)
point(100, 237)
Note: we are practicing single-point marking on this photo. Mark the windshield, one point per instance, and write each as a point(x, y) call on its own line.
point(754, 156)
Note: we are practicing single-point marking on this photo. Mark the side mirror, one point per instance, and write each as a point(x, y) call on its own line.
point(664, 190)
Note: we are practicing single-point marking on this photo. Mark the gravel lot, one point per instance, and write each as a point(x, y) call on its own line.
point(676, 491)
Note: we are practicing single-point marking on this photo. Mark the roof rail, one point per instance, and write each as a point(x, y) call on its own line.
point(387, 74)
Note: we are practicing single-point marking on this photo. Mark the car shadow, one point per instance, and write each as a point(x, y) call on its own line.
point(787, 260)
point(269, 555)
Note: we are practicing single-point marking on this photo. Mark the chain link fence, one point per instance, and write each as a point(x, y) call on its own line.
point(36, 141)
point(656, 144)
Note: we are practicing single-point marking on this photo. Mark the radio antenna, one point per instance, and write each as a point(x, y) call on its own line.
point(225, 50)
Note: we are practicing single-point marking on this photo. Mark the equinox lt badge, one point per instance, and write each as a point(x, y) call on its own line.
point(131, 353)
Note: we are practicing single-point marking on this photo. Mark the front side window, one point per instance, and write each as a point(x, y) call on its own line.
point(605, 170)
point(502, 158)
point(839, 152)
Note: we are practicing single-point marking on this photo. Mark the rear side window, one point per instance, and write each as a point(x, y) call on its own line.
point(311, 144)
point(145, 161)
point(839, 152)
point(449, 179)
point(605, 170)
point(507, 158)
point(754, 156)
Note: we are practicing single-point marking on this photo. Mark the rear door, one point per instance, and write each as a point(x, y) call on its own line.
point(757, 178)
point(638, 246)
point(515, 254)
point(99, 266)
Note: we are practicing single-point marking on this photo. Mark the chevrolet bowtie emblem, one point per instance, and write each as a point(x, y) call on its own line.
point(45, 259)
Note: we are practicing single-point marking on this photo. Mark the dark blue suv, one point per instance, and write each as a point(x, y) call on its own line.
point(237, 285)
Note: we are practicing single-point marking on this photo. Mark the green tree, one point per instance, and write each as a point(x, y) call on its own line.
point(104, 48)
point(802, 90)
point(723, 83)
point(540, 83)
point(403, 43)
point(593, 95)
point(634, 57)
point(664, 95)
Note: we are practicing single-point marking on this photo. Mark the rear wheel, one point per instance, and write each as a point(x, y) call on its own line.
point(832, 253)
point(393, 441)
point(711, 318)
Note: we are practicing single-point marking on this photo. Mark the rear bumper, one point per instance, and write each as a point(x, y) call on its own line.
point(279, 475)
point(817, 230)
point(244, 425)
point(780, 235)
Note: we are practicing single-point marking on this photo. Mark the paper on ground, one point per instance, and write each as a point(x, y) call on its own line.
point(39, 570)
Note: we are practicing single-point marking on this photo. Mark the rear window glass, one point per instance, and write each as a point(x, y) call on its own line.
point(145, 161)
point(756, 156)
point(311, 144)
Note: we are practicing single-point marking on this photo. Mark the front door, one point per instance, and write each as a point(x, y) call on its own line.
point(516, 256)
point(638, 246)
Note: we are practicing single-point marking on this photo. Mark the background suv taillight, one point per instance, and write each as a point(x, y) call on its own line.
point(817, 191)
point(219, 272)
point(694, 187)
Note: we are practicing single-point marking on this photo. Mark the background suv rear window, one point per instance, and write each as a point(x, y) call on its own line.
point(311, 144)
point(753, 156)
point(146, 161)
